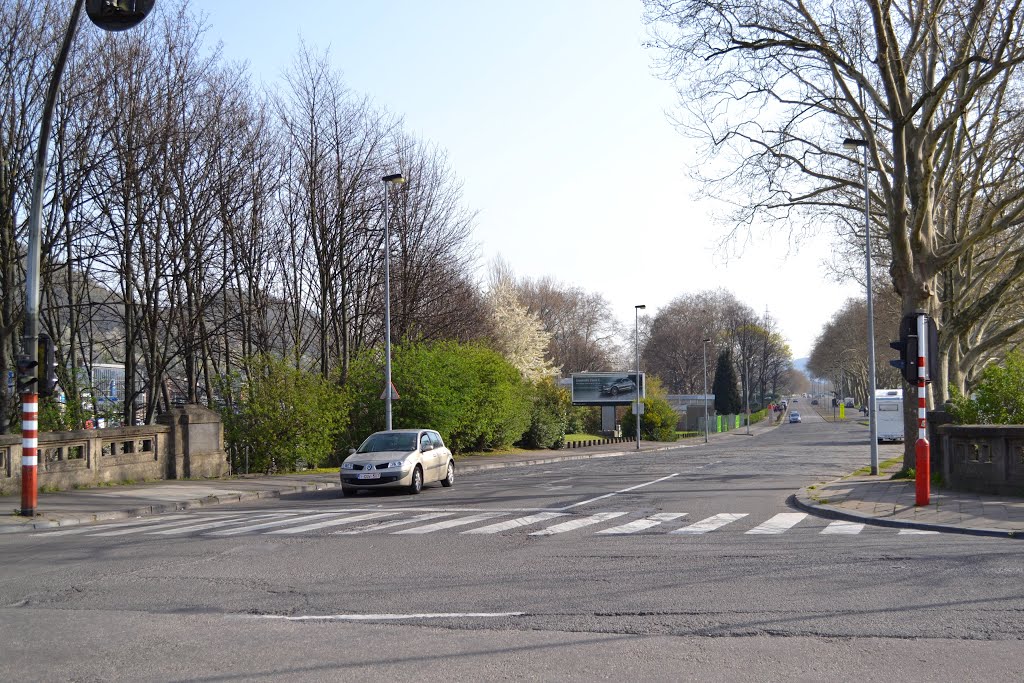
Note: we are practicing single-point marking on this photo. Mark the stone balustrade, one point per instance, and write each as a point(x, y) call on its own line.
point(187, 442)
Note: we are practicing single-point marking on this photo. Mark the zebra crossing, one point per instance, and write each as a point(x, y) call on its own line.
point(467, 521)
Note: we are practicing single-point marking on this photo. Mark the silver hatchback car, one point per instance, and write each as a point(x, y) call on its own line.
point(400, 458)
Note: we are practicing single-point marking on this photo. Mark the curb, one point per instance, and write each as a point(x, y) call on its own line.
point(802, 501)
point(242, 496)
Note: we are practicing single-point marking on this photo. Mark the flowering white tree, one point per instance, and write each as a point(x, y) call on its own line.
point(518, 334)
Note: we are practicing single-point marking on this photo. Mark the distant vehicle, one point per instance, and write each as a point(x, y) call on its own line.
point(814, 401)
point(848, 402)
point(621, 385)
point(796, 400)
point(794, 416)
point(402, 458)
point(889, 414)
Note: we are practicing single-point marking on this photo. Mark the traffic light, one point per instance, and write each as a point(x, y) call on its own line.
point(26, 373)
point(907, 346)
point(47, 368)
point(117, 15)
point(43, 374)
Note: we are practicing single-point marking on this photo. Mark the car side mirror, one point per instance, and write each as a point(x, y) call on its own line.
point(351, 451)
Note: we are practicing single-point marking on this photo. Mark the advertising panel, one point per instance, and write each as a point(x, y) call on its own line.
point(606, 388)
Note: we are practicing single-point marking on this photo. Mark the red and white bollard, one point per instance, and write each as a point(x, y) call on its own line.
point(29, 453)
point(922, 449)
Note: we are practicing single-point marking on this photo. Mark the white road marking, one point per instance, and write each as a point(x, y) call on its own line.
point(711, 523)
point(449, 523)
point(515, 523)
point(291, 519)
point(388, 617)
point(578, 523)
point(614, 493)
point(85, 528)
point(641, 524)
point(916, 532)
point(843, 527)
point(378, 526)
point(167, 525)
point(224, 521)
point(344, 519)
point(779, 523)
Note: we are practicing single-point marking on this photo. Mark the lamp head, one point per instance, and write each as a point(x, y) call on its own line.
point(117, 15)
point(640, 306)
point(853, 143)
point(394, 178)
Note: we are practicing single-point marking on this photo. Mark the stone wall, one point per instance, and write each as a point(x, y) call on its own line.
point(983, 458)
point(188, 443)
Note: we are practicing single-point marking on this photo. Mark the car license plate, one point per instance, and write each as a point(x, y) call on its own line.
point(370, 475)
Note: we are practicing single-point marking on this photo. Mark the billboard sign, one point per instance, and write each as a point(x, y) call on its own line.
point(606, 388)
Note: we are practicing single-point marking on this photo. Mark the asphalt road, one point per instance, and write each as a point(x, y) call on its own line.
point(685, 564)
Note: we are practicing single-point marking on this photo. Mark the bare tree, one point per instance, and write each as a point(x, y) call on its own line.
point(582, 327)
point(777, 84)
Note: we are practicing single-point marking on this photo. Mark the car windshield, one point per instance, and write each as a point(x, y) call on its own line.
point(389, 441)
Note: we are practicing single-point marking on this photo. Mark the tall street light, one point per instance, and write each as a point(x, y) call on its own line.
point(746, 365)
point(109, 15)
point(389, 180)
point(706, 342)
point(853, 144)
point(636, 348)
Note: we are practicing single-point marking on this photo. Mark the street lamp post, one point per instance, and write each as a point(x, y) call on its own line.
point(109, 17)
point(392, 179)
point(851, 143)
point(705, 344)
point(636, 348)
point(747, 383)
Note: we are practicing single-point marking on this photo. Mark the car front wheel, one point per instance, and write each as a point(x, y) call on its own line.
point(417, 481)
point(449, 478)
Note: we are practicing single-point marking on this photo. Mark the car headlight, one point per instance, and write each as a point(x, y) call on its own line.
point(396, 464)
point(348, 466)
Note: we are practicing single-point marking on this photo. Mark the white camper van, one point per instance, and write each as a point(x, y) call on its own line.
point(889, 414)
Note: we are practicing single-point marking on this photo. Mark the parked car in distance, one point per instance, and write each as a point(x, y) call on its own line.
point(814, 401)
point(400, 458)
point(620, 385)
point(794, 416)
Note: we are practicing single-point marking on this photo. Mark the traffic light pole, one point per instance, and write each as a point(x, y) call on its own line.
point(28, 363)
point(922, 479)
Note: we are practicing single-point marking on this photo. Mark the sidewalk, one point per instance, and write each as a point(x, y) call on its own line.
point(84, 506)
point(891, 502)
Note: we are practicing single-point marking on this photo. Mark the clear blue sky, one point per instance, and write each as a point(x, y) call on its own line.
point(552, 117)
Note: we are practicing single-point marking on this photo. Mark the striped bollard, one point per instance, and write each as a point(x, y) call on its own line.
point(922, 448)
point(29, 453)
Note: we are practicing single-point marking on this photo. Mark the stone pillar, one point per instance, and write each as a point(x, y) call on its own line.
point(937, 442)
point(196, 442)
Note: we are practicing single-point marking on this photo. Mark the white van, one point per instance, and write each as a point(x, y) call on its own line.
point(889, 414)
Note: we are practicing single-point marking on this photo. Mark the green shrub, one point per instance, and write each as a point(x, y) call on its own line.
point(549, 417)
point(997, 399)
point(285, 415)
point(470, 394)
point(583, 420)
point(658, 423)
point(758, 416)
